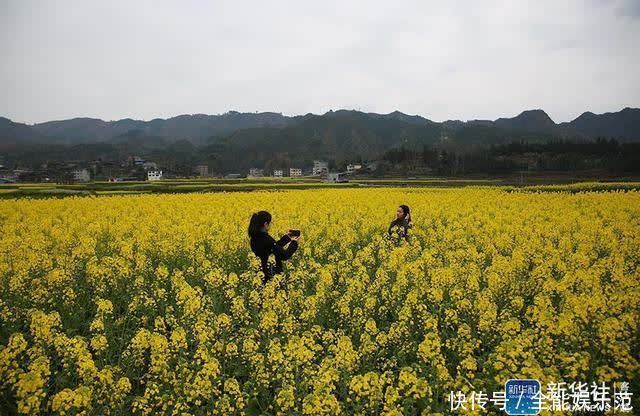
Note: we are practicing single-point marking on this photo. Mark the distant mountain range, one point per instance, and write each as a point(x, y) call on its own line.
point(194, 127)
point(241, 139)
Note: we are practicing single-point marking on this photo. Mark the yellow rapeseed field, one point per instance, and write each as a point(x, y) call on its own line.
point(152, 304)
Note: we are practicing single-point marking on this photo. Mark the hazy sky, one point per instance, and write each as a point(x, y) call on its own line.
point(442, 60)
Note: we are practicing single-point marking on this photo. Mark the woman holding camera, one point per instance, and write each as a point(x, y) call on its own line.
point(263, 245)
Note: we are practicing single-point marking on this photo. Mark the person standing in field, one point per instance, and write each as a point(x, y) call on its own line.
point(400, 226)
point(263, 245)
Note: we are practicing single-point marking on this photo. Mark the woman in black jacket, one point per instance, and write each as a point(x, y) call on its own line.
point(262, 244)
point(402, 224)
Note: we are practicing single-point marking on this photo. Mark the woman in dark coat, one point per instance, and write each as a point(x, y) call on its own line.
point(263, 245)
point(401, 225)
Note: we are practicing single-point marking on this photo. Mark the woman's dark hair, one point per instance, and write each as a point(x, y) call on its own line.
point(405, 209)
point(257, 221)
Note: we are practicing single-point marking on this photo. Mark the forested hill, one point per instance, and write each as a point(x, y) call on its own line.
point(235, 141)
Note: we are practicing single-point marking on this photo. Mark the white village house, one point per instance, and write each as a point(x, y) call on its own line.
point(337, 177)
point(353, 168)
point(148, 165)
point(154, 175)
point(256, 173)
point(320, 168)
point(202, 170)
point(81, 175)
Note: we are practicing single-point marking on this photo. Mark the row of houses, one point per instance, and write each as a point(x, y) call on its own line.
point(320, 168)
point(83, 175)
point(293, 172)
point(116, 171)
point(278, 173)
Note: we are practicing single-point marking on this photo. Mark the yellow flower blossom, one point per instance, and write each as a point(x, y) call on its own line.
point(154, 304)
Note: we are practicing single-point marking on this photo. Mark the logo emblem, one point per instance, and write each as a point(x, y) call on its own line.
point(522, 397)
